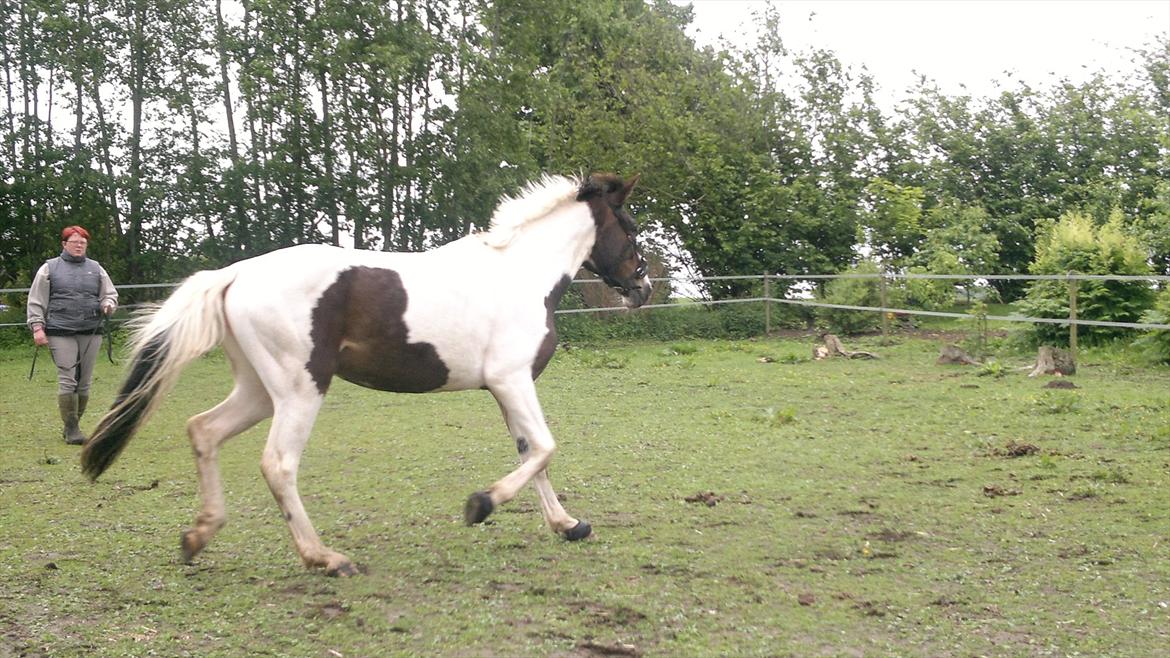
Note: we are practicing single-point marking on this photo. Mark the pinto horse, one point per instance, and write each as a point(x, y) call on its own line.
point(474, 313)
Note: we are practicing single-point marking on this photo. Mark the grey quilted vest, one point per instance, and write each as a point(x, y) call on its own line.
point(75, 289)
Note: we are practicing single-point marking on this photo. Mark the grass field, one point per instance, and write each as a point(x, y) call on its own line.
point(745, 500)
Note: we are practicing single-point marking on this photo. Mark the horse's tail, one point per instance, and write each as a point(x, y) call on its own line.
point(164, 340)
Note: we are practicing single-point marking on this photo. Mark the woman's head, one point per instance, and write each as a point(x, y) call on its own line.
point(75, 240)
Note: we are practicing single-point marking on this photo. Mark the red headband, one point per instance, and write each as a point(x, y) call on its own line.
point(74, 230)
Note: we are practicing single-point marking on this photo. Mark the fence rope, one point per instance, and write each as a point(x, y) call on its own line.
point(816, 304)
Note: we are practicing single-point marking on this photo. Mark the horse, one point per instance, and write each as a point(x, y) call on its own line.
point(475, 313)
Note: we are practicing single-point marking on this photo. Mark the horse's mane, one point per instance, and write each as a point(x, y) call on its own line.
point(537, 199)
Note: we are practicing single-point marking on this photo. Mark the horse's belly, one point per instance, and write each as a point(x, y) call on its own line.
point(405, 368)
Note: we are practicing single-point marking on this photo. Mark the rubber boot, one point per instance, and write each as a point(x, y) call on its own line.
point(67, 405)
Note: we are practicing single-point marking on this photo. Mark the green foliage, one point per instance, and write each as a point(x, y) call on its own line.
point(959, 240)
point(1075, 244)
point(1058, 402)
point(686, 321)
point(861, 291)
point(893, 223)
point(993, 369)
point(398, 125)
point(1155, 344)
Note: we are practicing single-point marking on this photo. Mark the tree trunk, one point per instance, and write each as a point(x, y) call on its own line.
point(78, 64)
point(833, 347)
point(137, 98)
point(954, 355)
point(235, 183)
point(1053, 361)
point(107, 160)
point(327, 185)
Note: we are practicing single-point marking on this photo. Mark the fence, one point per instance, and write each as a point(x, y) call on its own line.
point(768, 298)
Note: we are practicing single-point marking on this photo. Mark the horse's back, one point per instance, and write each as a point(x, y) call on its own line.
point(403, 322)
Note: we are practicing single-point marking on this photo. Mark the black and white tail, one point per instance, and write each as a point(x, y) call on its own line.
point(187, 325)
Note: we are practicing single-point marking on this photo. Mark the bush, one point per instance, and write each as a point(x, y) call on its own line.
point(856, 292)
point(1155, 344)
point(1075, 244)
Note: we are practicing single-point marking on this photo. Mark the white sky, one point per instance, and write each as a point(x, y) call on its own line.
point(955, 42)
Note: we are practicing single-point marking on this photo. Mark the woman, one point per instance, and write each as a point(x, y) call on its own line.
point(69, 298)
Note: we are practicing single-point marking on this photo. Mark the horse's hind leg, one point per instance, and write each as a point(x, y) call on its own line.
point(291, 425)
point(534, 442)
point(247, 405)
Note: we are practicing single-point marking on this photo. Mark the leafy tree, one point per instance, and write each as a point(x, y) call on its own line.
point(892, 224)
point(1075, 244)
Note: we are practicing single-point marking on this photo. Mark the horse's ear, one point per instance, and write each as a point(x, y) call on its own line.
point(617, 195)
point(630, 185)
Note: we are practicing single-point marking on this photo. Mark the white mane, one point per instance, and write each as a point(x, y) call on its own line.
point(536, 200)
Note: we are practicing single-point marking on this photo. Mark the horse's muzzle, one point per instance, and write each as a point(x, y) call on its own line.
point(635, 296)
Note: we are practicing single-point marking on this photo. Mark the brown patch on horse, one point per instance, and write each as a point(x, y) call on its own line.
point(359, 334)
point(549, 345)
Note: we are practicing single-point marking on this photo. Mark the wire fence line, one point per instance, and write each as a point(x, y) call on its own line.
point(767, 298)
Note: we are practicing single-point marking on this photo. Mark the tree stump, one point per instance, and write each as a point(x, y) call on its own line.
point(954, 355)
point(1053, 361)
point(833, 347)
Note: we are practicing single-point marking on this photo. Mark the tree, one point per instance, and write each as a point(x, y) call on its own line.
point(1075, 244)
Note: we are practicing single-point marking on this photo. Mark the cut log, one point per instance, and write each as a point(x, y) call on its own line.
point(833, 347)
point(954, 355)
point(1054, 361)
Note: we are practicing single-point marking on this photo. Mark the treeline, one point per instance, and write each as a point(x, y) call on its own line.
point(191, 133)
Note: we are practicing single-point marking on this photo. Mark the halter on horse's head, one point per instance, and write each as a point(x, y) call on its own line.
point(615, 256)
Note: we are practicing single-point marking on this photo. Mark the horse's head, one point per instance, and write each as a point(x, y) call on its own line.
point(615, 256)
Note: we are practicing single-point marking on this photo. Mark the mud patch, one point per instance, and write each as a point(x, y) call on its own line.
point(708, 498)
point(618, 616)
point(327, 611)
point(1014, 449)
point(591, 648)
point(892, 536)
point(996, 491)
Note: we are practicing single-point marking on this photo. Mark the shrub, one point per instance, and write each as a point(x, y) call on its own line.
point(1075, 244)
point(1155, 344)
point(856, 292)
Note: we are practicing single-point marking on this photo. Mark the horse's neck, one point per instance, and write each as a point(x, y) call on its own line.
point(556, 244)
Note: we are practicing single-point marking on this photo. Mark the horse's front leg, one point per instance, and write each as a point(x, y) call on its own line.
point(291, 425)
point(535, 444)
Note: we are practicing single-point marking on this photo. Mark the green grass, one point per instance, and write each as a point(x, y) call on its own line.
point(842, 508)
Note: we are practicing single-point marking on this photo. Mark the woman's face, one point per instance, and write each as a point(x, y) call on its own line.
point(76, 245)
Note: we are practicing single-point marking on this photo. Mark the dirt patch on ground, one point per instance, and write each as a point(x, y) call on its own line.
point(708, 498)
point(995, 491)
point(1016, 449)
point(892, 536)
point(591, 648)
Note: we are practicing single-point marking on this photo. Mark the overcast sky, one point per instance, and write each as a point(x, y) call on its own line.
point(955, 42)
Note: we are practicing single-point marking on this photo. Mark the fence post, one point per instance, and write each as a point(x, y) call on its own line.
point(885, 314)
point(767, 305)
point(1073, 286)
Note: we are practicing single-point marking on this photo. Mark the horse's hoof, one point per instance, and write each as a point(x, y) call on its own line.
point(478, 506)
point(579, 531)
point(343, 570)
point(189, 546)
